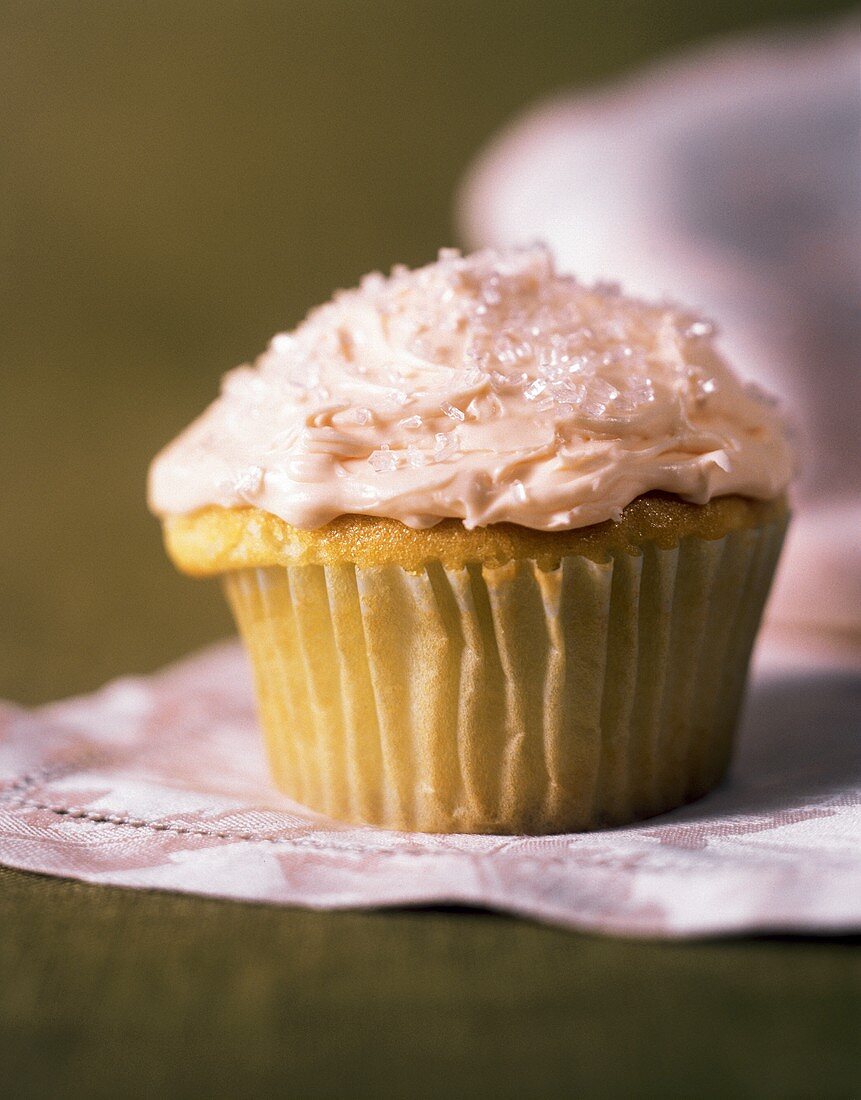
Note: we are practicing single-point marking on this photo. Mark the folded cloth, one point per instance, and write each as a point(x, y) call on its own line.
point(159, 782)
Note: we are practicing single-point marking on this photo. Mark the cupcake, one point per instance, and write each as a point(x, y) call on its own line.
point(497, 543)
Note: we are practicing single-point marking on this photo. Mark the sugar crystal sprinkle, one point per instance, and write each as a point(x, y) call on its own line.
point(445, 445)
point(416, 457)
point(384, 460)
point(518, 491)
point(250, 481)
point(452, 411)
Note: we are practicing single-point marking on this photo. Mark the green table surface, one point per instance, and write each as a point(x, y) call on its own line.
point(107, 991)
point(178, 182)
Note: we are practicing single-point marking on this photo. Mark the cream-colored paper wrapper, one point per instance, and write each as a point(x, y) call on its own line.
point(508, 699)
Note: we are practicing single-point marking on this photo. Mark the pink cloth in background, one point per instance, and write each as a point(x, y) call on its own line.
point(159, 782)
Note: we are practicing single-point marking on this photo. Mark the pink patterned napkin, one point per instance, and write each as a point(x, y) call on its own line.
point(159, 782)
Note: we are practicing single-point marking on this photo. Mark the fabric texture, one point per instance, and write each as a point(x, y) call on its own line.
point(160, 782)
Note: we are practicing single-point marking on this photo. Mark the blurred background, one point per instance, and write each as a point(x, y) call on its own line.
point(179, 182)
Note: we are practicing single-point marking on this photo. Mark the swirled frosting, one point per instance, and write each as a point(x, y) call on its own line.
point(487, 388)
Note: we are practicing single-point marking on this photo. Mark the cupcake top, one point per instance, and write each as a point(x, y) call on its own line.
point(485, 388)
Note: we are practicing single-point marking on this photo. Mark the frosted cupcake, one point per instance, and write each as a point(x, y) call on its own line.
point(498, 545)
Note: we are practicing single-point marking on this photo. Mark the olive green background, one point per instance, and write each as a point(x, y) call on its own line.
point(179, 180)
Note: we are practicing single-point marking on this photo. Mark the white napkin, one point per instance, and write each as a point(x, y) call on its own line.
point(159, 782)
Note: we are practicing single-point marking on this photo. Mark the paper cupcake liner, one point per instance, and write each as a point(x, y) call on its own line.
point(508, 699)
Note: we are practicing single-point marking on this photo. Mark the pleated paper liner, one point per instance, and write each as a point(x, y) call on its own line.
point(509, 699)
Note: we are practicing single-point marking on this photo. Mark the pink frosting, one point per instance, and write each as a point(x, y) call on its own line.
point(488, 388)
